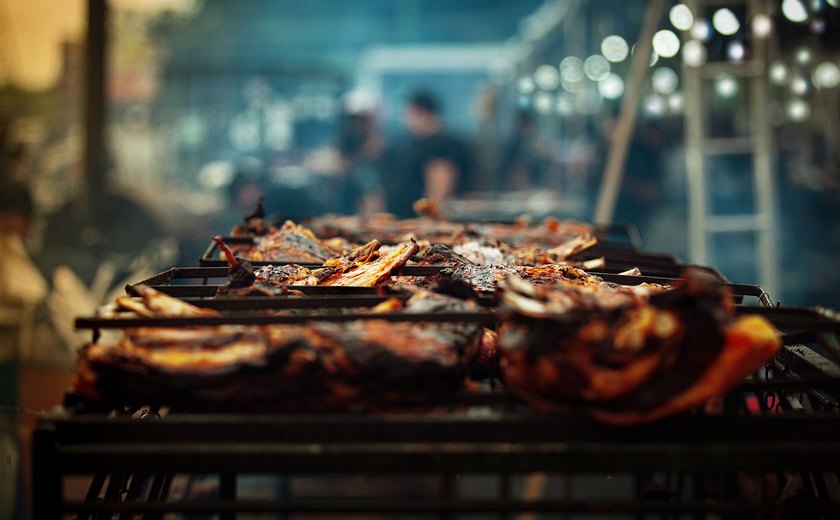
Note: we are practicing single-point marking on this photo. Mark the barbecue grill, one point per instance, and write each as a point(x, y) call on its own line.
point(769, 450)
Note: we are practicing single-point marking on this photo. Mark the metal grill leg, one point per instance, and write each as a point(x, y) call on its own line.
point(47, 494)
point(227, 492)
point(93, 493)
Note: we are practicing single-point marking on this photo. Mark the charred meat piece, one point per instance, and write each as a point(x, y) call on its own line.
point(253, 224)
point(364, 365)
point(365, 272)
point(290, 243)
point(637, 361)
point(484, 279)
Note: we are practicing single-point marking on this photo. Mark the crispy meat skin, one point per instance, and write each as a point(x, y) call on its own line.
point(635, 362)
point(362, 267)
point(321, 366)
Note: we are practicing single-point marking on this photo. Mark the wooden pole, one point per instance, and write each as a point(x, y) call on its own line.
point(617, 156)
point(95, 163)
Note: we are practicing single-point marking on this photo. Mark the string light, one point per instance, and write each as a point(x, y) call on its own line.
point(615, 48)
point(794, 10)
point(726, 86)
point(826, 75)
point(565, 104)
point(701, 30)
point(525, 85)
point(654, 106)
point(736, 51)
point(547, 77)
point(681, 17)
point(676, 102)
point(798, 110)
point(596, 67)
point(571, 69)
point(799, 86)
point(666, 43)
point(725, 22)
point(762, 25)
point(612, 87)
point(803, 56)
point(543, 102)
point(664, 80)
point(778, 73)
point(694, 53)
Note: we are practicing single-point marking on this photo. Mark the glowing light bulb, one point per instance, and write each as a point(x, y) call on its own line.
point(694, 53)
point(676, 102)
point(615, 48)
point(826, 75)
point(736, 51)
point(547, 77)
point(794, 10)
point(799, 86)
point(654, 106)
point(596, 67)
point(701, 30)
point(571, 69)
point(725, 22)
point(664, 80)
point(778, 73)
point(666, 43)
point(798, 110)
point(611, 87)
point(726, 86)
point(525, 85)
point(543, 102)
point(803, 56)
point(762, 25)
point(681, 17)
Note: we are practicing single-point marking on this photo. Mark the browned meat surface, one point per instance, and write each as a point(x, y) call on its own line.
point(627, 361)
point(367, 364)
point(290, 243)
point(363, 267)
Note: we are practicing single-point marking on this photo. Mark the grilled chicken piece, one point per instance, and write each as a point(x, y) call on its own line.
point(628, 362)
point(367, 364)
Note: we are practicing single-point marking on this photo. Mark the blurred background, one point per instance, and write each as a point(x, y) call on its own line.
point(122, 156)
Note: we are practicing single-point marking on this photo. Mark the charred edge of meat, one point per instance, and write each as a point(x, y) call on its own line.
point(257, 213)
point(439, 254)
point(240, 272)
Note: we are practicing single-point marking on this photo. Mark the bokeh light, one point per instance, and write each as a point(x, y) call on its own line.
point(615, 48)
point(666, 43)
point(612, 87)
point(725, 22)
point(681, 17)
point(694, 53)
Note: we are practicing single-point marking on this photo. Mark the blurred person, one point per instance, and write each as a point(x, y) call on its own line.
point(488, 143)
point(22, 291)
point(525, 158)
point(360, 147)
point(432, 163)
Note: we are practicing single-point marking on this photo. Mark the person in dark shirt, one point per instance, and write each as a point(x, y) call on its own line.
point(432, 164)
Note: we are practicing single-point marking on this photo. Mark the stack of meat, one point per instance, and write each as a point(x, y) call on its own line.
point(565, 338)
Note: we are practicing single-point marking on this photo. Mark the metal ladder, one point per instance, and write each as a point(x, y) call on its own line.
point(702, 225)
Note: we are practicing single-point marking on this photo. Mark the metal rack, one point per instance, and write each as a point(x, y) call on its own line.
point(133, 457)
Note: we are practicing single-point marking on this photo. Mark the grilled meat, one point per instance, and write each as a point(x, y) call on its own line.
point(290, 243)
point(363, 267)
point(366, 364)
point(253, 224)
point(627, 360)
point(484, 279)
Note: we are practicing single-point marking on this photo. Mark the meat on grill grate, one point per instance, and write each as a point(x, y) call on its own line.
point(627, 360)
point(365, 364)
